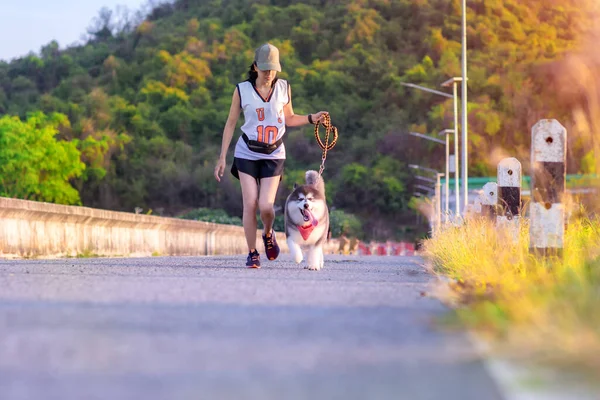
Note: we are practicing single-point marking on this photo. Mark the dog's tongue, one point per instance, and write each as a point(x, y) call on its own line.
point(314, 221)
point(308, 217)
point(307, 229)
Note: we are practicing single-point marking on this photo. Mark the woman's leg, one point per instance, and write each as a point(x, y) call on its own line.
point(250, 202)
point(266, 199)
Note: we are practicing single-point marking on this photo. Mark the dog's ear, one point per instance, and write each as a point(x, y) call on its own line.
point(295, 185)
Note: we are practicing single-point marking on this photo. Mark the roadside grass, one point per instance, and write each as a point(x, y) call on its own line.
point(87, 254)
point(541, 309)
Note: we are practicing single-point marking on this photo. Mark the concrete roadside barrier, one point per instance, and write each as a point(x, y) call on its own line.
point(548, 175)
point(509, 196)
point(30, 229)
point(489, 199)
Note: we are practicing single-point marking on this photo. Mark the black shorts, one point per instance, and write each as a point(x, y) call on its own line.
point(257, 168)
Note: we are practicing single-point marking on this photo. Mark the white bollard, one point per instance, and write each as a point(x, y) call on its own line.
point(548, 173)
point(509, 196)
point(489, 198)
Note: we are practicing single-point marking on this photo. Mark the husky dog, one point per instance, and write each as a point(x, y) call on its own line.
point(307, 220)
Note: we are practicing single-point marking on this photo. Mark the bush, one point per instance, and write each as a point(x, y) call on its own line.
point(217, 216)
point(342, 223)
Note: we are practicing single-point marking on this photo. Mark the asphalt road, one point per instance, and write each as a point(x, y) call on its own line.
point(208, 328)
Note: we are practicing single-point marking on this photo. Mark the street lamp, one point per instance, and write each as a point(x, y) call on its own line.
point(424, 178)
point(454, 97)
point(422, 136)
point(464, 130)
point(454, 81)
point(427, 188)
point(415, 166)
point(438, 202)
point(447, 132)
point(426, 89)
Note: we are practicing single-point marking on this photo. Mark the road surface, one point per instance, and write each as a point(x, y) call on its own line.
point(208, 328)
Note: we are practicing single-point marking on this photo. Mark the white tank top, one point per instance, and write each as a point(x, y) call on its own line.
point(264, 119)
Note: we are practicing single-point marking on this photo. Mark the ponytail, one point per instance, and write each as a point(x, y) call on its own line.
point(252, 74)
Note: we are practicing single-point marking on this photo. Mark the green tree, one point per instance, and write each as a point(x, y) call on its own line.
point(34, 164)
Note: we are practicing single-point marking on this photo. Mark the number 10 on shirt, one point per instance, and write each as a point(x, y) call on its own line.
point(266, 134)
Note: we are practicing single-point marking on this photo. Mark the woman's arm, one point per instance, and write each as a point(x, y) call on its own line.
point(234, 114)
point(292, 119)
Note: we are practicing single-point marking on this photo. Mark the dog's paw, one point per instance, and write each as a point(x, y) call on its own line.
point(314, 267)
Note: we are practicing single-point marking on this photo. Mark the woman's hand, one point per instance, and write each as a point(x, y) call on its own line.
point(319, 117)
point(220, 169)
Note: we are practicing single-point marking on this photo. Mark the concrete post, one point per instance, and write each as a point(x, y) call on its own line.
point(548, 173)
point(489, 199)
point(509, 196)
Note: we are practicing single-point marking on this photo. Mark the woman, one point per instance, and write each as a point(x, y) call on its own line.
point(259, 153)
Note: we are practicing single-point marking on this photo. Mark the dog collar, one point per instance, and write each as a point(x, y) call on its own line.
point(306, 230)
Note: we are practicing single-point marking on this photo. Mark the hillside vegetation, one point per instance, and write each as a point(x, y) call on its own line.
point(144, 100)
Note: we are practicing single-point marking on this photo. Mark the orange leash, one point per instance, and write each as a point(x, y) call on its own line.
point(326, 146)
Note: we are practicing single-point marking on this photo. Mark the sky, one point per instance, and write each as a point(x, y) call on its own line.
point(27, 25)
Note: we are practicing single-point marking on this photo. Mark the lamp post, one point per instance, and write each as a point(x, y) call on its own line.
point(454, 98)
point(447, 132)
point(454, 81)
point(464, 173)
point(438, 196)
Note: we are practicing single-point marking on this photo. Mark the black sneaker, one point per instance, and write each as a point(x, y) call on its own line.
point(253, 260)
point(271, 246)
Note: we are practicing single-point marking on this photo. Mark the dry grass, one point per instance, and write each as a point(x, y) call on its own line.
point(544, 309)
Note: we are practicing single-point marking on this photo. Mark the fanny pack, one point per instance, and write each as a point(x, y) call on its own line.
point(261, 147)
